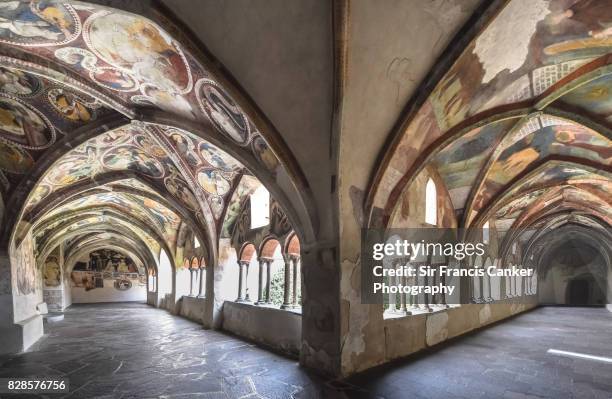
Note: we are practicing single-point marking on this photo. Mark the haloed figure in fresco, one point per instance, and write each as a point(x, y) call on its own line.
point(104, 268)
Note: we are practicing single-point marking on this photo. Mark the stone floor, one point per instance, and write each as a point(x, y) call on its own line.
point(509, 360)
point(135, 351)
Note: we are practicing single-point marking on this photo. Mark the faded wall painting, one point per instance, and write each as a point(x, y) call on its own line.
point(24, 268)
point(106, 268)
point(52, 272)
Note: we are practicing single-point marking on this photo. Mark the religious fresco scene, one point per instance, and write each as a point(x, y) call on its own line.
point(107, 267)
point(188, 191)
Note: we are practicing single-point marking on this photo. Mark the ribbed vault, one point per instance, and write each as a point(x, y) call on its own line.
point(514, 135)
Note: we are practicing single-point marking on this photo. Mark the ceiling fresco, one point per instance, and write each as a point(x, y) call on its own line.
point(144, 209)
point(130, 60)
point(214, 171)
point(460, 162)
point(36, 112)
point(125, 149)
point(568, 140)
point(248, 184)
point(73, 77)
point(497, 115)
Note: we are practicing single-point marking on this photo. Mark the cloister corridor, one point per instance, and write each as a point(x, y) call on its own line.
point(152, 353)
point(306, 199)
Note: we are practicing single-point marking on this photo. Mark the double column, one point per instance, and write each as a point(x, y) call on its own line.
point(290, 286)
point(243, 288)
point(263, 291)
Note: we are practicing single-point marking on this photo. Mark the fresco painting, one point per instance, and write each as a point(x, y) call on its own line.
point(71, 107)
point(515, 207)
point(217, 158)
point(23, 125)
point(567, 140)
point(178, 187)
point(185, 146)
point(264, 154)
point(25, 267)
point(37, 23)
point(246, 186)
point(126, 148)
point(460, 162)
point(52, 272)
point(18, 83)
point(222, 111)
point(213, 182)
point(549, 41)
point(558, 173)
point(594, 97)
point(131, 62)
point(107, 268)
point(138, 46)
point(149, 212)
point(14, 159)
point(214, 169)
point(35, 112)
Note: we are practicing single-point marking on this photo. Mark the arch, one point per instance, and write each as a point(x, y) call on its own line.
point(268, 247)
point(195, 263)
point(486, 233)
point(292, 244)
point(431, 202)
point(247, 251)
point(165, 275)
point(388, 182)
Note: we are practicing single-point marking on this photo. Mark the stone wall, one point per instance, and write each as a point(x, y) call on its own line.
point(192, 308)
point(272, 327)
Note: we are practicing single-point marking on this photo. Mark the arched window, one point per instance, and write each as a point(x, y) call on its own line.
point(196, 243)
point(485, 233)
point(183, 279)
point(165, 274)
point(431, 203)
point(260, 208)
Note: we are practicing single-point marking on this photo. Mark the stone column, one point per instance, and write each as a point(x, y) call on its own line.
point(190, 282)
point(247, 298)
point(260, 286)
point(321, 325)
point(391, 307)
point(287, 283)
point(268, 277)
point(427, 298)
point(443, 303)
point(239, 299)
point(296, 280)
point(202, 275)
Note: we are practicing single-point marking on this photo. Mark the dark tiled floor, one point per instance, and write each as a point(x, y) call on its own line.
point(509, 360)
point(135, 351)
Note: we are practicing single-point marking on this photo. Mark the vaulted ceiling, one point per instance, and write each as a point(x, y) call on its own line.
point(519, 126)
point(123, 112)
point(112, 123)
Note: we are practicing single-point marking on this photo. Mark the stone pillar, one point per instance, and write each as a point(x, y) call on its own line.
point(427, 298)
point(190, 282)
point(268, 277)
point(487, 288)
point(287, 283)
point(443, 303)
point(296, 280)
point(391, 307)
point(260, 286)
point(247, 298)
point(240, 282)
point(202, 275)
